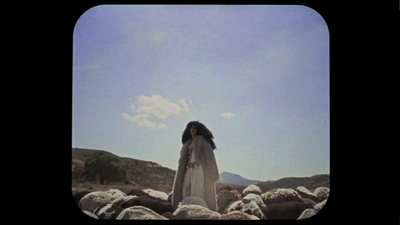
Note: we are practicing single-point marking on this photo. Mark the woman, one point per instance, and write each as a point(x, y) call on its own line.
point(197, 170)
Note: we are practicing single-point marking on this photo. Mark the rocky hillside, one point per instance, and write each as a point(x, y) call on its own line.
point(139, 172)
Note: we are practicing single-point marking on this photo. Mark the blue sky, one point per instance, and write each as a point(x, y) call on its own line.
point(256, 76)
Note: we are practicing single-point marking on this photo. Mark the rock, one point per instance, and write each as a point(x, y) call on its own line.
point(122, 199)
point(157, 194)
point(96, 200)
point(139, 213)
point(167, 215)
point(290, 210)
point(309, 202)
point(237, 215)
point(193, 200)
point(194, 212)
point(255, 198)
point(169, 198)
point(137, 192)
point(224, 198)
point(237, 194)
point(157, 205)
point(320, 205)
point(322, 193)
point(80, 194)
point(305, 193)
point(307, 213)
point(109, 212)
point(252, 189)
point(221, 186)
point(249, 207)
point(280, 195)
point(90, 214)
point(115, 193)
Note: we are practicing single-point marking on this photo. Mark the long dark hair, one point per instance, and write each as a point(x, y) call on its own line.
point(201, 130)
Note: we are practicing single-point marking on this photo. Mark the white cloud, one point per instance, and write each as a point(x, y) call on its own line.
point(185, 106)
point(157, 106)
point(141, 120)
point(161, 107)
point(227, 115)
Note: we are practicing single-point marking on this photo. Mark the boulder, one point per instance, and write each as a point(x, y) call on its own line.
point(309, 201)
point(122, 199)
point(280, 195)
point(193, 200)
point(80, 194)
point(157, 205)
point(221, 186)
point(224, 198)
point(136, 191)
point(320, 205)
point(167, 215)
point(109, 212)
point(139, 213)
point(115, 192)
point(237, 194)
point(157, 194)
point(169, 198)
point(305, 193)
point(92, 215)
point(257, 199)
point(322, 193)
point(194, 212)
point(237, 215)
point(307, 213)
point(96, 200)
point(249, 207)
point(253, 197)
point(252, 189)
point(290, 210)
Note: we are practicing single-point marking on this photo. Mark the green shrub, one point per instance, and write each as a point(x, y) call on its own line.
point(104, 167)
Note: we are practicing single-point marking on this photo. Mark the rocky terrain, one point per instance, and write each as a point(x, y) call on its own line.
point(250, 204)
point(139, 172)
point(146, 195)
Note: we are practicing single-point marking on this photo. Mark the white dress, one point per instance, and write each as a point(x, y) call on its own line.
point(193, 181)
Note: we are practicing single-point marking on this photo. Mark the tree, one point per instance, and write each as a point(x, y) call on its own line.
point(104, 166)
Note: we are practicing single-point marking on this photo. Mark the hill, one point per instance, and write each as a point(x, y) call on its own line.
point(321, 180)
point(231, 178)
point(139, 172)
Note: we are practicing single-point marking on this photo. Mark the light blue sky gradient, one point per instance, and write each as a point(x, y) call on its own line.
point(256, 76)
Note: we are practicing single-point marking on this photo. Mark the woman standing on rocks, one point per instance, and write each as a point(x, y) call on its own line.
point(197, 170)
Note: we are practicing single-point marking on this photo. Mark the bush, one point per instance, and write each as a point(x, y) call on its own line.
point(104, 167)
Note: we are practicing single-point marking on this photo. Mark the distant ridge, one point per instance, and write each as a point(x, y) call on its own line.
point(320, 180)
point(231, 178)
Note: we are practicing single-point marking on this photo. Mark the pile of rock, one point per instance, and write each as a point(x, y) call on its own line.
point(251, 204)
